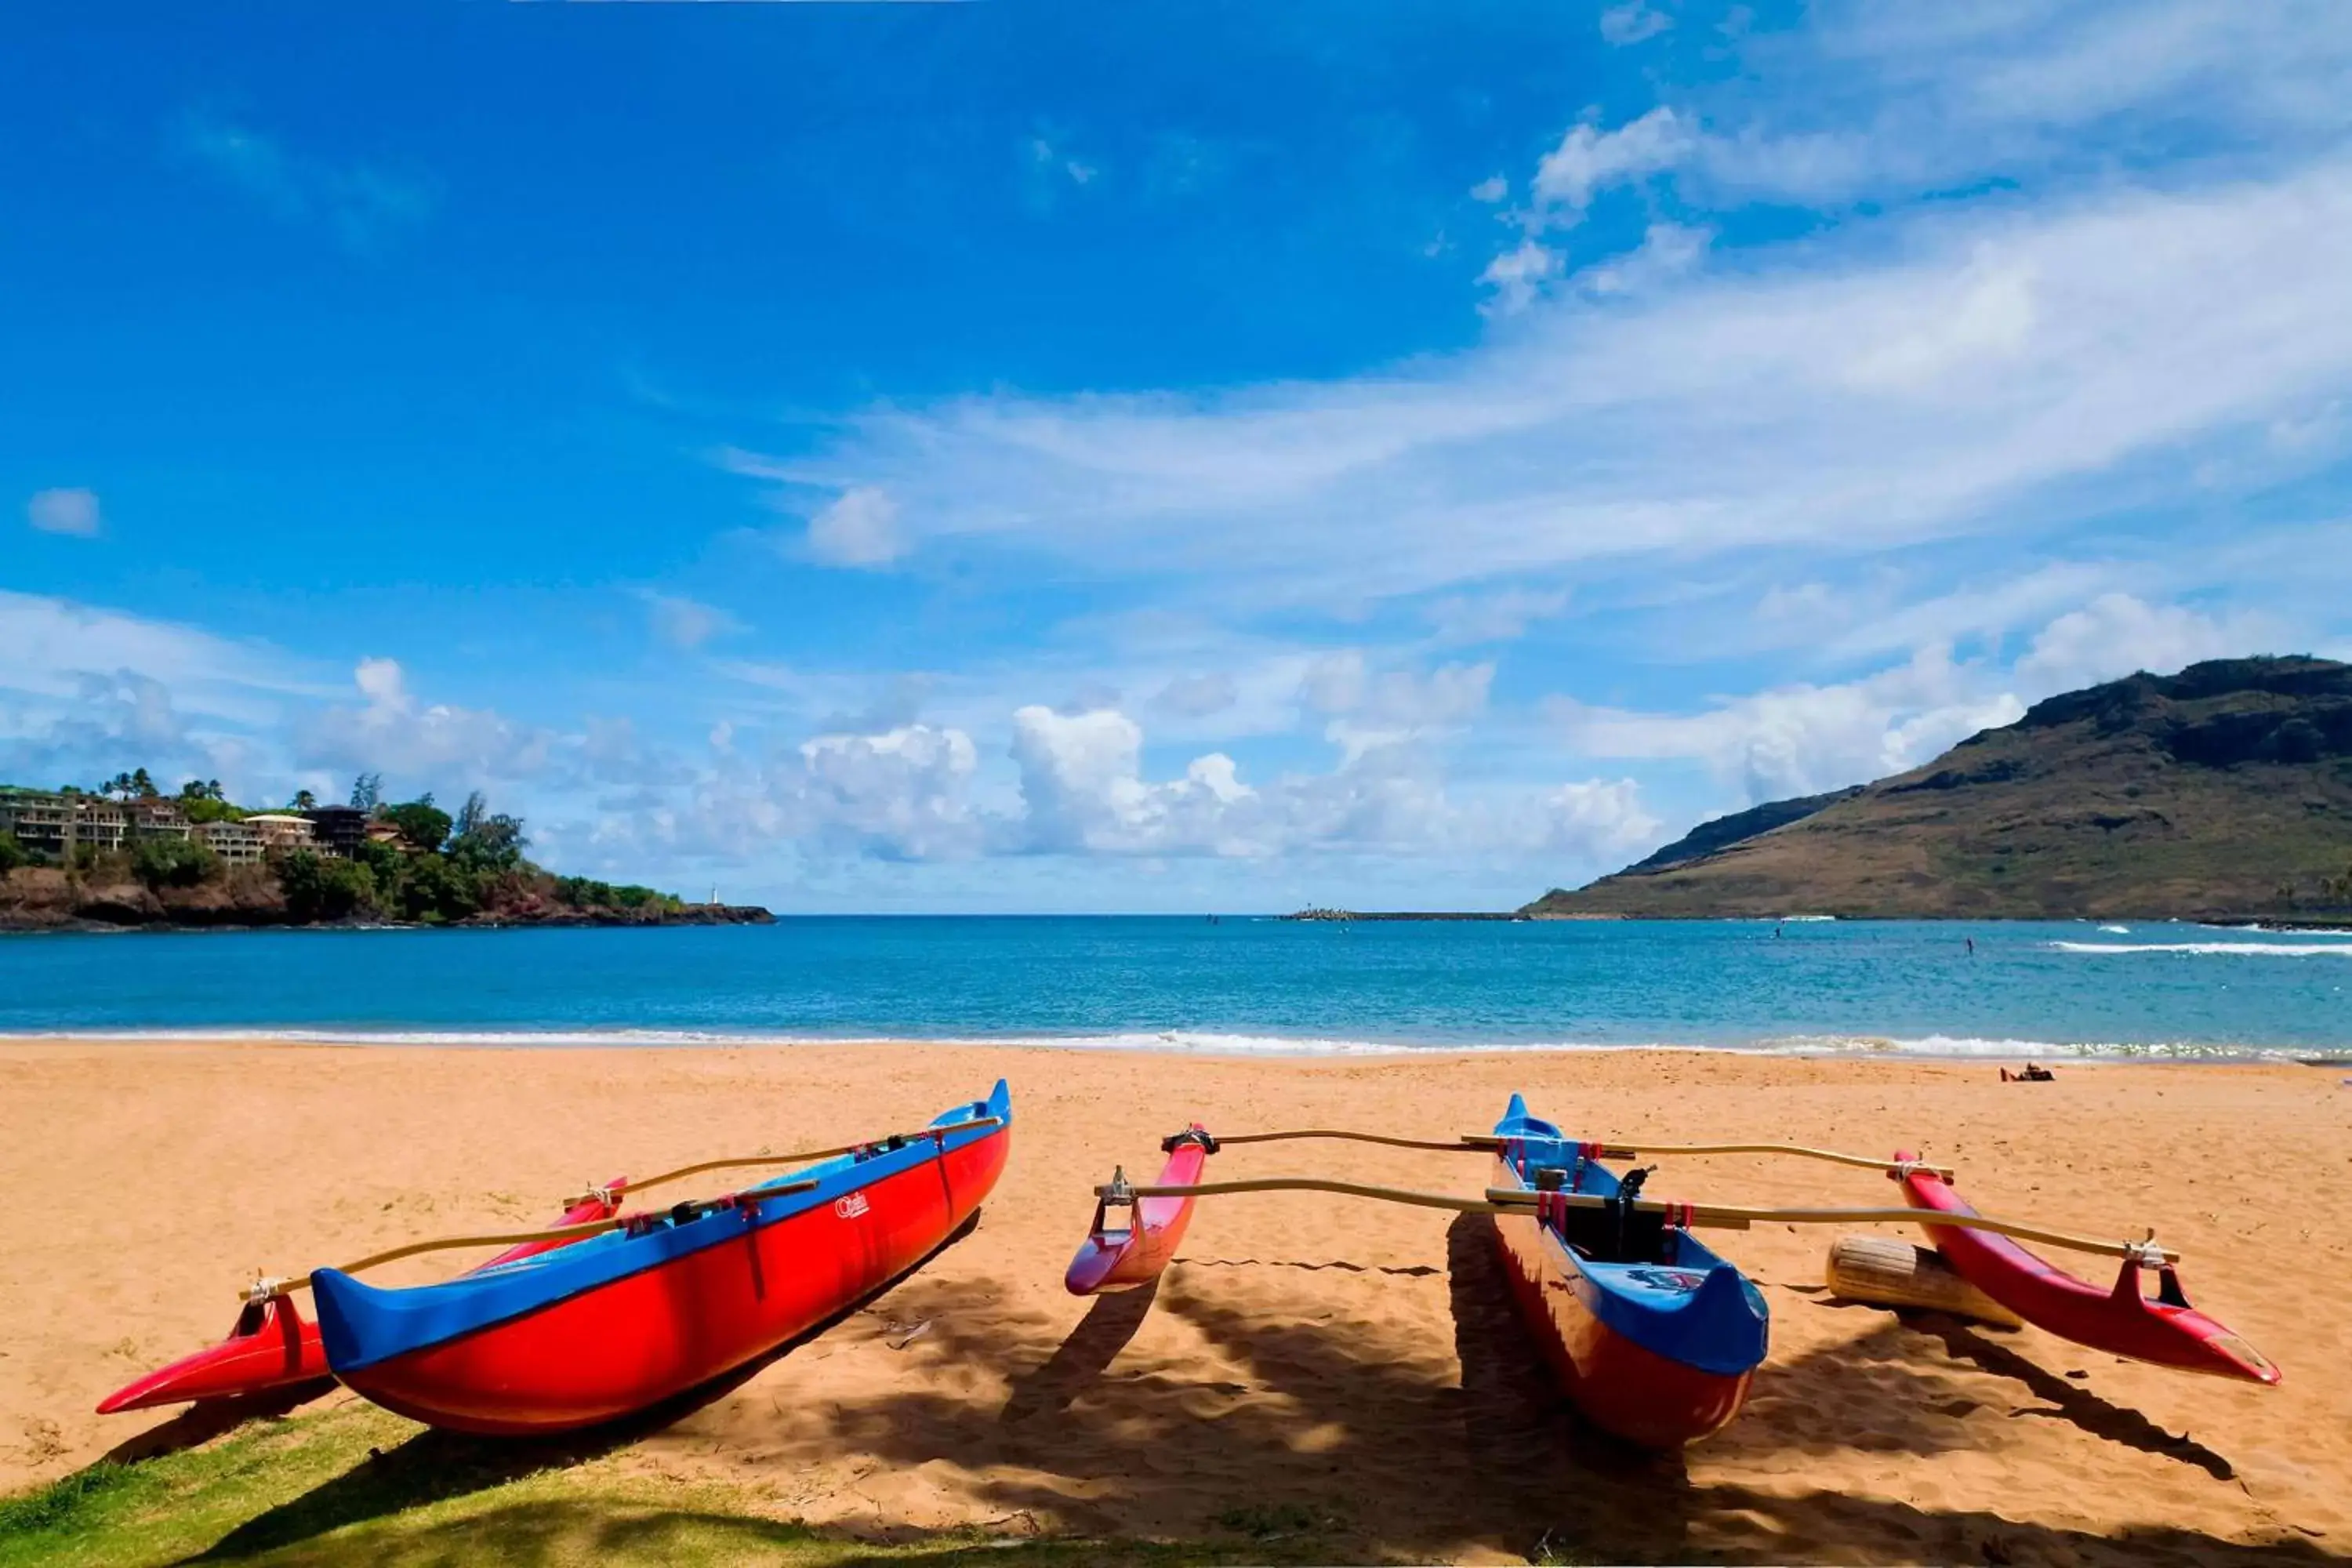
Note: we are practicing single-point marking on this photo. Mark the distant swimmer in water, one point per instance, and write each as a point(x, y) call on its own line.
point(1972, 945)
point(1775, 931)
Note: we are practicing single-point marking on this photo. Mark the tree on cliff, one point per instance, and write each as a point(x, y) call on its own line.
point(423, 824)
point(484, 840)
point(320, 888)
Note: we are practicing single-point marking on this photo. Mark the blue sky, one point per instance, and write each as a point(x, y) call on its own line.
point(1005, 456)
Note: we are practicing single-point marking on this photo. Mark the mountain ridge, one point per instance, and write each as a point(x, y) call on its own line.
point(2222, 791)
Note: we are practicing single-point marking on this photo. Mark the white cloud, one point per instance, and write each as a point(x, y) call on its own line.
point(1667, 251)
point(1198, 696)
point(1804, 739)
point(1490, 190)
point(688, 623)
point(1082, 785)
point(47, 645)
point(392, 732)
point(114, 722)
point(1982, 369)
point(859, 528)
point(2116, 635)
point(73, 511)
point(1517, 275)
point(1502, 615)
point(900, 794)
point(1874, 100)
point(1345, 683)
point(1588, 160)
point(1082, 791)
point(1596, 820)
point(1633, 22)
point(1869, 623)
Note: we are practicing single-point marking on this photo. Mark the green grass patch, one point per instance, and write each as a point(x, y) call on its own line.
point(354, 1484)
point(57, 1506)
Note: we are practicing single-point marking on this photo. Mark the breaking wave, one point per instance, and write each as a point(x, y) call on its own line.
point(2216, 949)
point(1180, 1042)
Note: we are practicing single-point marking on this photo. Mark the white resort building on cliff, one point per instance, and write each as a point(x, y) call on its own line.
point(56, 826)
point(237, 843)
point(282, 830)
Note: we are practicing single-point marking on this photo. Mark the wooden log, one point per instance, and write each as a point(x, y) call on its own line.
point(1887, 1272)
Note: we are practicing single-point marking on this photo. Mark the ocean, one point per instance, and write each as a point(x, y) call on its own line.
point(1237, 983)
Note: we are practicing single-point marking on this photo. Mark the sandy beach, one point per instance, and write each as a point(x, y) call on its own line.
point(1353, 1364)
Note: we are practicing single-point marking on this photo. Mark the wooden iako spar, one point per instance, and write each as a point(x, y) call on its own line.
point(262, 1288)
point(749, 1161)
point(1605, 1149)
point(1511, 1200)
point(1653, 1336)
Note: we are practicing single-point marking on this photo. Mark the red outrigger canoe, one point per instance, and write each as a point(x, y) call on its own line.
point(1116, 1258)
point(272, 1345)
point(2164, 1329)
point(1650, 1333)
point(618, 1322)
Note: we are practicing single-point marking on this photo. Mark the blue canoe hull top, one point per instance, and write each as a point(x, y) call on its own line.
point(1654, 1337)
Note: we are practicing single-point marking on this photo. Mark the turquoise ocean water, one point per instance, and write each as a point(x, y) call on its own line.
point(1238, 983)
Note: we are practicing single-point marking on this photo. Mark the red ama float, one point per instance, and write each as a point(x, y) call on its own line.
point(622, 1321)
point(1121, 1258)
point(2164, 1329)
point(272, 1345)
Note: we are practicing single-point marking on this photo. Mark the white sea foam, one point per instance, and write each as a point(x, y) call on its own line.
point(2216, 949)
point(1201, 1042)
point(2119, 931)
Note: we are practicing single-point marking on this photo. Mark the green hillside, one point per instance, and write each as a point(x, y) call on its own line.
point(2224, 792)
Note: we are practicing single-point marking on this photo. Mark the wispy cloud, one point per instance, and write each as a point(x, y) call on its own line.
point(1959, 373)
point(857, 528)
point(68, 512)
point(1802, 738)
point(687, 622)
point(363, 203)
point(1873, 99)
point(1633, 22)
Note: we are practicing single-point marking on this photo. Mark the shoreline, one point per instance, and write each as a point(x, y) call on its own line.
point(1357, 1363)
point(1214, 1045)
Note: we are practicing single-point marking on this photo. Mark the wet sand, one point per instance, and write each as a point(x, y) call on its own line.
point(1308, 1363)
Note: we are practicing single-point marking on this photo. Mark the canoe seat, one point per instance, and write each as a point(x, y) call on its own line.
point(1619, 1233)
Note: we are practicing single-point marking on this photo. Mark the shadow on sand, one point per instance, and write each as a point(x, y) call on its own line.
point(1083, 1357)
point(1415, 1271)
point(2072, 1403)
point(1313, 1405)
point(1346, 1416)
